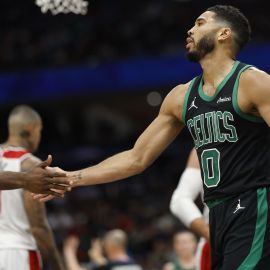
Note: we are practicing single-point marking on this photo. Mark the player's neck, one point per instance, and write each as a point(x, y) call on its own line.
point(16, 142)
point(215, 67)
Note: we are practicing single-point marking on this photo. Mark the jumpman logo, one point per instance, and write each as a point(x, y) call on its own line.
point(193, 104)
point(238, 207)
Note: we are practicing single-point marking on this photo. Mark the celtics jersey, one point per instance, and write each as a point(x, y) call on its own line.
point(232, 146)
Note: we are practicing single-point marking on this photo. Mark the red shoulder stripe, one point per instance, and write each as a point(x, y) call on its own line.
point(14, 154)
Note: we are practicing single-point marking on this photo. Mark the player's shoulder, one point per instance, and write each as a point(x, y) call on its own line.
point(254, 79)
point(29, 162)
point(177, 94)
point(174, 101)
point(180, 90)
point(254, 75)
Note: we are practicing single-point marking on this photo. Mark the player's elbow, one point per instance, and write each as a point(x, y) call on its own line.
point(138, 167)
point(178, 201)
point(138, 162)
point(174, 206)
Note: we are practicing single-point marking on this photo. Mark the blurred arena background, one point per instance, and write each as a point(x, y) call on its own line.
point(97, 81)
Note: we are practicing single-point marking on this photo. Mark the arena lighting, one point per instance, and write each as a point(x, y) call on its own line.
point(154, 99)
point(63, 6)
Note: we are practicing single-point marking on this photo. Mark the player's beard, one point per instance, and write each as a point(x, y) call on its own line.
point(204, 46)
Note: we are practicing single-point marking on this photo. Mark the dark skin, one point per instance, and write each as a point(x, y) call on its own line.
point(36, 213)
point(36, 180)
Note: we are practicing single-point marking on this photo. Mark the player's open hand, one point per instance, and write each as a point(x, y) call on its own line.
point(40, 180)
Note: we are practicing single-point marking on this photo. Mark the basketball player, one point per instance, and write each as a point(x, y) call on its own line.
point(182, 205)
point(227, 111)
point(23, 225)
point(38, 179)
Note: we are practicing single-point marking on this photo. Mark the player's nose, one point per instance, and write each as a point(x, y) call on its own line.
point(190, 32)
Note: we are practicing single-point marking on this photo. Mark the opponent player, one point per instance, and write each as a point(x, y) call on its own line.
point(227, 111)
point(23, 224)
point(38, 179)
point(183, 206)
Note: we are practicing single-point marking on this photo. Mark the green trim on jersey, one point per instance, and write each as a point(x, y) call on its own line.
point(186, 101)
point(256, 250)
point(236, 107)
point(213, 203)
point(220, 86)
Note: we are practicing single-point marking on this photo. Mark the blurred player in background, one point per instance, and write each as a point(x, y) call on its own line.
point(107, 254)
point(184, 245)
point(183, 206)
point(23, 225)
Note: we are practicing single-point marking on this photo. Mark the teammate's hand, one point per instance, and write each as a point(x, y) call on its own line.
point(43, 181)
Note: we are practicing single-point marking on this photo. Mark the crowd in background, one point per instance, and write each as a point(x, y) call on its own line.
point(110, 31)
point(81, 135)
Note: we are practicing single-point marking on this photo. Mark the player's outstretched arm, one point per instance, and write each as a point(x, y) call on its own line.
point(40, 227)
point(12, 180)
point(152, 142)
point(37, 180)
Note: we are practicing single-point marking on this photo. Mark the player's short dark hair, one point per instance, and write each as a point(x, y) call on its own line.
point(237, 20)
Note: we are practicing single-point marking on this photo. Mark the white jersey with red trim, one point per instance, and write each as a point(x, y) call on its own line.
point(14, 225)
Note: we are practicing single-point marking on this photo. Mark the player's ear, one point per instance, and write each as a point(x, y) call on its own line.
point(224, 34)
point(24, 134)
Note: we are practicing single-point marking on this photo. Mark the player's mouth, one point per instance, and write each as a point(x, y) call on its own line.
point(189, 42)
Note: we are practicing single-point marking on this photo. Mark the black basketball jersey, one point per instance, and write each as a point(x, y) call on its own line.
point(232, 146)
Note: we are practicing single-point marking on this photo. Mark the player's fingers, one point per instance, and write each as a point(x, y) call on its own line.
point(55, 193)
point(46, 198)
point(62, 188)
point(56, 174)
point(46, 162)
point(38, 196)
point(59, 181)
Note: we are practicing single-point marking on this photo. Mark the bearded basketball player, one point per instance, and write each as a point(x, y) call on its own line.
point(227, 111)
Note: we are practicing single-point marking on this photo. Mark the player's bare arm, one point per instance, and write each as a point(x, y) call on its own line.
point(12, 180)
point(40, 228)
point(152, 142)
point(37, 180)
point(254, 93)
